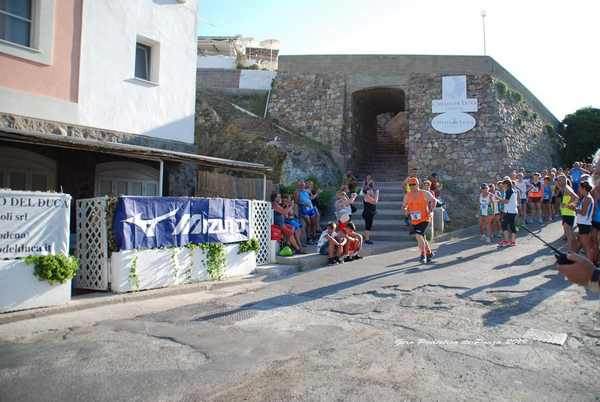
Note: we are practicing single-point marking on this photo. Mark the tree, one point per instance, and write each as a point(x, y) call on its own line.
point(581, 133)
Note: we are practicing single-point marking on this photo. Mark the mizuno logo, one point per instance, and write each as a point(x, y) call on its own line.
point(190, 224)
point(148, 226)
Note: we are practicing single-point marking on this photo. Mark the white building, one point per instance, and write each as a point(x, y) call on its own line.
point(235, 62)
point(98, 97)
point(130, 66)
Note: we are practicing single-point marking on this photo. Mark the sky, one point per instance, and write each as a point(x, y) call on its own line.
point(552, 46)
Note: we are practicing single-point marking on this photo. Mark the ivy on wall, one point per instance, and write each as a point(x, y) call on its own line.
point(134, 280)
point(215, 258)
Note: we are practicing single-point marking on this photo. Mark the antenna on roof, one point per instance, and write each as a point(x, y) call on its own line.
point(483, 15)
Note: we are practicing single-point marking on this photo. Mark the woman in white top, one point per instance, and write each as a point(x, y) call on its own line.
point(521, 187)
point(585, 211)
point(486, 213)
point(510, 215)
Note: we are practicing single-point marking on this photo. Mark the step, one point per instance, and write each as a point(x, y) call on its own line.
point(385, 196)
point(384, 220)
point(391, 235)
point(380, 225)
point(387, 176)
point(381, 215)
point(396, 184)
point(314, 260)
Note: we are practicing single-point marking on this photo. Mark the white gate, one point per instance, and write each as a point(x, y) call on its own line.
point(261, 218)
point(92, 244)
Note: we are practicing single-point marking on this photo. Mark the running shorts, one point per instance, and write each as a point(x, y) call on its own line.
point(569, 220)
point(420, 228)
point(307, 211)
point(508, 222)
point(584, 229)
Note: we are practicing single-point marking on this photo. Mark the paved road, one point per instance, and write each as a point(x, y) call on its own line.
point(386, 328)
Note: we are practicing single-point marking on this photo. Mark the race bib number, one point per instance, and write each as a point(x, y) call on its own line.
point(415, 216)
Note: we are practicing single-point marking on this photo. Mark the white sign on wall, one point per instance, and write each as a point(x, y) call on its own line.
point(454, 106)
point(33, 223)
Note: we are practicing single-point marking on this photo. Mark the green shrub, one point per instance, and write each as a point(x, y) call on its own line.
point(501, 88)
point(54, 269)
point(249, 245)
point(525, 114)
point(549, 129)
point(516, 96)
point(325, 200)
point(283, 189)
point(534, 116)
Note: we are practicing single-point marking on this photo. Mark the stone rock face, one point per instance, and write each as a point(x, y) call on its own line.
point(224, 131)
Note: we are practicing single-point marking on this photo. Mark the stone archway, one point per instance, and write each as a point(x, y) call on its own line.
point(379, 132)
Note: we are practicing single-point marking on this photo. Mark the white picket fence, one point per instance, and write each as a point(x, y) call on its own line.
point(92, 239)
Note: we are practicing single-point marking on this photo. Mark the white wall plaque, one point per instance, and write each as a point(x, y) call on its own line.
point(453, 122)
point(453, 105)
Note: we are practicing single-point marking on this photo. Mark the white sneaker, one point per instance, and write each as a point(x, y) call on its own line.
point(483, 237)
point(488, 240)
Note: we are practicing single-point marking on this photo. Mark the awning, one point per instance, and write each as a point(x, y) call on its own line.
point(127, 150)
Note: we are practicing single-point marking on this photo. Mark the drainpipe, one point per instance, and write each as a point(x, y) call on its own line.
point(264, 187)
point(160, 178)
point(267, 104)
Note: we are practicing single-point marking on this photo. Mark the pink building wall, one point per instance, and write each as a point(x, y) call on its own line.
point(61, 78)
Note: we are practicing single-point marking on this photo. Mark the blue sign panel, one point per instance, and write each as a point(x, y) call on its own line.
point(154, 222)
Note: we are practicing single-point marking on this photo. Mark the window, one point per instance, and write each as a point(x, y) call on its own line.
point(147, 61)
point(15, 21)
point(25, 170)
point(142, 61)
point(126, 178)
point(27, 29)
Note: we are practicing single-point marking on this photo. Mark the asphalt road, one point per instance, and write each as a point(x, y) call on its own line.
point(382, 329)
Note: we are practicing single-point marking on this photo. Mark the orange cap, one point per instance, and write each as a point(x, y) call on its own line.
point(413, 180)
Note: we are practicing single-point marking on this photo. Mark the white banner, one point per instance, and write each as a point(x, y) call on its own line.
point(33, 223)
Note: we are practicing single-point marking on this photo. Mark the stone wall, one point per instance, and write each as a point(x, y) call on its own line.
point(507, 135)
point(217, 78)
point(312, 104)
point(471, 157)
point(527, 143)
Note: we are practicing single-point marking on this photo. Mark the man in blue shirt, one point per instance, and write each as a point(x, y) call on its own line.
point(576, 172)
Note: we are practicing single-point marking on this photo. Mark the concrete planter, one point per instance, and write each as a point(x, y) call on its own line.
point(161, 268)
point(20, 289)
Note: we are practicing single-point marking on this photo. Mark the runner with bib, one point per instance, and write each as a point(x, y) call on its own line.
point(419, 205)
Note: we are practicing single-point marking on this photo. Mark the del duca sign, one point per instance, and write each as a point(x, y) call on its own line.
point(454, 107)
point(33, 223)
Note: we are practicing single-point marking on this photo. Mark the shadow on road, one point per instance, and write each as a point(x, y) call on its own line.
point(515, 306)
point(291, 299)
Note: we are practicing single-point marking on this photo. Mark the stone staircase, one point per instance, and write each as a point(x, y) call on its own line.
point(389, 168)
point(388, 224)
